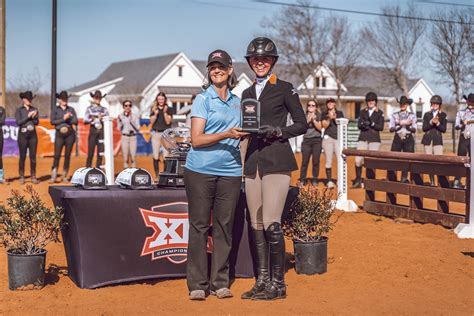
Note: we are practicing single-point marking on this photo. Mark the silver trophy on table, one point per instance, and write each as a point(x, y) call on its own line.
point(177, 141)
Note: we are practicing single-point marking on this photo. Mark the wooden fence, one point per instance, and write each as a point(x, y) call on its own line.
point(418, 165)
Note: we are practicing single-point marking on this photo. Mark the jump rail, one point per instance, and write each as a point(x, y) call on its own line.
point(418, 165)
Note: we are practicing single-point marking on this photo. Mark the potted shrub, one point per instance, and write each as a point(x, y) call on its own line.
point(26, 227)
point(307, 223)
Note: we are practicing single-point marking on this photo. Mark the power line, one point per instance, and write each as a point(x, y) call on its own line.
point(358, 12)
point(446, 3)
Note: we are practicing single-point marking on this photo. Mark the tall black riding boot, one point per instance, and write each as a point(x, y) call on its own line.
point(432, 180)
point(263, 276)
point(457, 183)
point(357, 183)
point(156, 167)
point(276, 289)
point(328, 174)
point(404, 178)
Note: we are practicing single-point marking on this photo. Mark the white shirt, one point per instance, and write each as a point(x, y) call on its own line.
point(371, 111)
point(260, 85)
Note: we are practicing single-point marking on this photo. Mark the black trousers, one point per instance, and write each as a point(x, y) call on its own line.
point(1, 147)
point(219, 194)
point(310, 147)
point(67, 141)
point(403, 145)
point(464, 147)
point(93, 141)
point(27, 141)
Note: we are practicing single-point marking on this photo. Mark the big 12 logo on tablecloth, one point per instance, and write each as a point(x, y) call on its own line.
point(170, 226)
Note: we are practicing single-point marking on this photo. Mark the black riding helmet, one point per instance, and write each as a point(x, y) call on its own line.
point(371, 96)
point(261, 46)
point(436, 99)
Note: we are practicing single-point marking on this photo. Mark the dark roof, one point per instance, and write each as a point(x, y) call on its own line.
point(137, 74)
point(376, 79)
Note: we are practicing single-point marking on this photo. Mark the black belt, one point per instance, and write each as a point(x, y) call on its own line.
point(156, 130)
point(131, 134)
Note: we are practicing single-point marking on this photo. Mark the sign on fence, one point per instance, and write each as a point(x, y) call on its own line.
point(352, 134)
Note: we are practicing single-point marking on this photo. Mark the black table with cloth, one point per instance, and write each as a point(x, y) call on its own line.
point(106, 233)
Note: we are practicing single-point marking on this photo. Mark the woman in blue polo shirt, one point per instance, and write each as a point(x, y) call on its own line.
point(213, 177)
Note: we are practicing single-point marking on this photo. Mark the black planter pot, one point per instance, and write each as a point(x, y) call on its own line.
point(311, 257)
point(24, 270)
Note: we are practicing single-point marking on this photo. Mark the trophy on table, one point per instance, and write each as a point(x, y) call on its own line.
point(177, 141)
point(250, 115)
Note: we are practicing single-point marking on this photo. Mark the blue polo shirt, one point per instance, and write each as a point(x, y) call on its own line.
point(222, 158)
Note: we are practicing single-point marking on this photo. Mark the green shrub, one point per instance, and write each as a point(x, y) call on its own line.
point(310, 215)
point(26, 224)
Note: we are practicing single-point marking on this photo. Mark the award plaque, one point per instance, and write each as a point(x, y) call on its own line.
point(250, 115)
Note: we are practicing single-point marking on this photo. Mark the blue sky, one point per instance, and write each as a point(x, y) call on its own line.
point(94, 33)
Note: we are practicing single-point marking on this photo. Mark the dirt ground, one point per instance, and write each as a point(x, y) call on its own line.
point(376, 266)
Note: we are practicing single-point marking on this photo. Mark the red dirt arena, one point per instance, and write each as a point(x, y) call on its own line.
point(376, 266)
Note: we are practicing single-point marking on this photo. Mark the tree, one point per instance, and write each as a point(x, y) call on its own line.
point(394, 42)
point(32, 81)
point(302, 37)
point(452, 42)
point(345, 51)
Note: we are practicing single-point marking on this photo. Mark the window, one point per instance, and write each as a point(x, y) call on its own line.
point(418, 107)
point(317, 82)
point(324, 82)
point(419, 110)
point(357, 109)
point(180, 71)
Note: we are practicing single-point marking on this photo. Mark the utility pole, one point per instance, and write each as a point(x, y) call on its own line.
point(53, 56)
point(3, 56)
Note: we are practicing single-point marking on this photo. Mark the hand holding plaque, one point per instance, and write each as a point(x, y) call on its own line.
point(250, 115)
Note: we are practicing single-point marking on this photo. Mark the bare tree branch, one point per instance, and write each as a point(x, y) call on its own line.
point(453, 49)
point(345, 53)
point(395, 43)
point(302, 37)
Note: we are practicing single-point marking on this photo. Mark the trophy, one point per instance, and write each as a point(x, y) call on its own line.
point(177, 141)
point(250, 116)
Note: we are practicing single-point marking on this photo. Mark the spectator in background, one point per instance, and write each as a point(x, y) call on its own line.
point(63, 118)
point(371, 122)
point(464, 118)
point(27, 117)
point(312, 142)
point(129, 126)
point(434, 125)
point(403, 124)
point(330, 145)
point(94, 116)
point(3, 116)
point(160, 120)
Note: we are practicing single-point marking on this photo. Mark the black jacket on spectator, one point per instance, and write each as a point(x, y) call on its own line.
point(276, 101)
point(370, 126)
point(3, 116)
point(22, 119)
point(57, 118)
point(331, 130)
point(433, 134)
